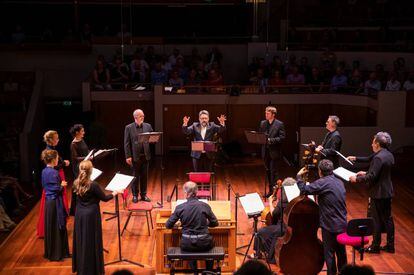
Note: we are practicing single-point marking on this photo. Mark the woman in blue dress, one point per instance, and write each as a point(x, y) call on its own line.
point(56, 236)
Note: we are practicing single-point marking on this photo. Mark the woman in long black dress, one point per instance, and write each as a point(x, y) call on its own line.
point(56, 235)
point(87, 255)
point(78, 151)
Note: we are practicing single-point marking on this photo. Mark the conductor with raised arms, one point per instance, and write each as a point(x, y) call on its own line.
point(203, 131)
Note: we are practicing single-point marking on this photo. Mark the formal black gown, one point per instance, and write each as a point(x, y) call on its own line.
point(78, 151)
point(56, 236)
point(87, 257)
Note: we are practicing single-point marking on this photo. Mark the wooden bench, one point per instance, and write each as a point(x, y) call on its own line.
point(216, 254)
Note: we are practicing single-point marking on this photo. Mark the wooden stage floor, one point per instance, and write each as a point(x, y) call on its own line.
point(21, 252)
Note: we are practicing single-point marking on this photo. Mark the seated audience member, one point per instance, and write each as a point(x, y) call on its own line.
point(139, 68)
point(172, 59)
point(166, 65)
point(259, 80)
point(295, 77)
point(202, 73)
point(276, 79)
point(6, 224)
point(101, 76)
point(372, 85)
point(180, 68)
point(380, 74)
point(119, 73)
point(357, 270)
point(214, 78)
point(304, 68)
point(263, 67)
point(316, 80)
point(158, 74)
point(193, 78)
point(291, 63)
point(355, 81)
point(12, 184)
point(150, 56)
point(253, 267)
point(393, 84)
point(253, 66)
point(214, 56)
point(339, 80)
point(277, 65)
point(175, 80)
point(409, 83)
point(195, 57)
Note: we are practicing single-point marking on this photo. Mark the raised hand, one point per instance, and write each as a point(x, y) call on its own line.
point(351, 158)
point(186, 119)
point(222, 119)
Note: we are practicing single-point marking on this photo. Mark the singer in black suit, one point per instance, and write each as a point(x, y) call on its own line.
point(380, 189)
point(203, 131)
point(138, 154)
point(332, 142)
point(271, 152)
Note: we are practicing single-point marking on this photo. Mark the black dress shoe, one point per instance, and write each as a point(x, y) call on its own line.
point(135, 199)
point(387, 248)
point(372, 249)
point(145, 198)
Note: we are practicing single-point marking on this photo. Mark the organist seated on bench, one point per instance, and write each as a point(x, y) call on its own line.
point(195, 217)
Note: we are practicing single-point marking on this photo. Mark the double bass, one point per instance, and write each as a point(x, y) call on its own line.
point(299, 251)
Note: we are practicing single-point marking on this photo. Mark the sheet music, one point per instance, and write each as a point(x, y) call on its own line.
point(343, 173)
point(178, 202)
point(292, 192)
point(95, 174)
point(119, 182)
point(252, 204)
point(153, 137)
point(342, 156)
point(89, 155)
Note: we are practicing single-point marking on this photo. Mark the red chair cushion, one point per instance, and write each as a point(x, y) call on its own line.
point(345, 239)
point(200, 177)
point(203, 193)
point(140, 206)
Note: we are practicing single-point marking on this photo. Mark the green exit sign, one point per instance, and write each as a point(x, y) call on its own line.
point(67, 103)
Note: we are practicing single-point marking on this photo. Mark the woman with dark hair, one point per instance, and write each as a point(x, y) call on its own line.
point(87, 255)
point(51, 138)
point(56, 236)
point(78, 151)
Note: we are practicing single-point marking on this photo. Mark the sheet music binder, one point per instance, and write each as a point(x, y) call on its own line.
point(255, 137)
point(203, 146)
point(150, 137)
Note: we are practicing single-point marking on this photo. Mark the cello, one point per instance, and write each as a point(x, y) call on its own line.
point(299, 251)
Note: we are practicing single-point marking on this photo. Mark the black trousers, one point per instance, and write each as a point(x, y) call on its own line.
point(198, 245)
point(271, 166)
point(266, 241)
point(381, 214)
point(140, 172)
point(331, 248)
point(203, 164)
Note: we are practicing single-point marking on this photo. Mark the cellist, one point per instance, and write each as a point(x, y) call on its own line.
point(267, 236)
point(332, 212)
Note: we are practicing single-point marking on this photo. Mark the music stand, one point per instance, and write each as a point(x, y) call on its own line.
point(155, 137)
point(120, 182)
point(254, 137)
point(253, 206)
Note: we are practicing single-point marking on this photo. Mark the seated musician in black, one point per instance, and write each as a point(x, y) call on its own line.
point(195, 217)
point(267, 236)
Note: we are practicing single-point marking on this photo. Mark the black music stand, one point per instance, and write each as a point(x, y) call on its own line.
point(155, 137)
point(254, 137)
point(120, 258)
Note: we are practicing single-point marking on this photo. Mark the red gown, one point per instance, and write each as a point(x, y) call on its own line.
point(41, 221)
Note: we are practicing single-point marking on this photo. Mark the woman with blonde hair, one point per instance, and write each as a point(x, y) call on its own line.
point(51, 138)
point(56, 236)
point(87, 257)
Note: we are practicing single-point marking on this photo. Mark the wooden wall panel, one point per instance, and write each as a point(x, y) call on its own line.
point(409, 110)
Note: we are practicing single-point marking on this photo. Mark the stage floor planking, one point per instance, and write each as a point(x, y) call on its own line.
point(21, 252)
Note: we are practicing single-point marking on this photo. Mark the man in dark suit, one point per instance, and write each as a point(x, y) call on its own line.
point(332, 142)
point(380, 189)
point(271, 152)
point(203, 131)
point(138, 154)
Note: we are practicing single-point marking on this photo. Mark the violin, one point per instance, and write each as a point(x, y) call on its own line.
point(266, 216)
